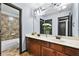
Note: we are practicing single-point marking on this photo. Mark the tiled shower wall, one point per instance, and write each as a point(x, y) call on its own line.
point(9, 28)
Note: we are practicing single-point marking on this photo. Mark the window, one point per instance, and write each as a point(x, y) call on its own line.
point(41, 25)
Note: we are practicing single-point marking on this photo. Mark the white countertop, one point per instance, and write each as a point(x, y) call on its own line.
point(62, 41)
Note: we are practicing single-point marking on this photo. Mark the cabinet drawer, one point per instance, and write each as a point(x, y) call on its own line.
point(45, 44)
point(71, 51)
point(56, 47)
point(35, 41)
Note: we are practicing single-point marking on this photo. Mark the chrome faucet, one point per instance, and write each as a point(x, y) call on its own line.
point(58, 37)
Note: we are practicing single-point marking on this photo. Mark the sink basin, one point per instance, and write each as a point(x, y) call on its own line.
point(69, 41)
point(76, 42)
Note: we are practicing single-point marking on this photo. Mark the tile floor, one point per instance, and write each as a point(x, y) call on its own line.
point(13, 52)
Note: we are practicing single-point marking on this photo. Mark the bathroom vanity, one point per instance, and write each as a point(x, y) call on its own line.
point(62, 23)
point(50, 46)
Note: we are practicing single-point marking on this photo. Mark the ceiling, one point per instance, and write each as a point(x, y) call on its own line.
point(55, 9)
point(37, 5)
point(48, 8)
point(45, 8)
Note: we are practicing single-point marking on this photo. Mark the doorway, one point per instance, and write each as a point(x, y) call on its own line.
point(10, 29)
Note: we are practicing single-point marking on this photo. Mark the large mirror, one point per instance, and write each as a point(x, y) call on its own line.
point(63, 18)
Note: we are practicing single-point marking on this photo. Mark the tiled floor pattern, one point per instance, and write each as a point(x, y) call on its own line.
point(13, 52)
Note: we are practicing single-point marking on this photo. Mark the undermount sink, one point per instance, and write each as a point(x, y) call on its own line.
point(62, 40)
point(70, 41)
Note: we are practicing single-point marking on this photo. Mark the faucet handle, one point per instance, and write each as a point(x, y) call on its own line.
point(57, 37)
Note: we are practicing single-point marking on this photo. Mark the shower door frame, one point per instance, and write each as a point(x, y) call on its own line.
point(20, 25)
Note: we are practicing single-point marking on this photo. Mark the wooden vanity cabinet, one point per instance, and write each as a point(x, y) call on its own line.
point(71, 51)
point(45, 44)
point(59, 49)
point(47, 51)
point(34, 47)
point(43, 48)
point(60, 54)
point(56, 47)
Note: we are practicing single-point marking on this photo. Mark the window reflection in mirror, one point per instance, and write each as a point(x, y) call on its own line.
point(49, 21)
point(65, 25)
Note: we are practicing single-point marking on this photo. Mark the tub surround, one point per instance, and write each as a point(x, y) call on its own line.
point(50, 46)
point(9, 44)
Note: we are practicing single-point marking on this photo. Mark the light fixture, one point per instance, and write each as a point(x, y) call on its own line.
point(64, 7)
point(38, 12)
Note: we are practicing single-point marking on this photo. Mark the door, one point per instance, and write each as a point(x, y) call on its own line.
point(10, 27)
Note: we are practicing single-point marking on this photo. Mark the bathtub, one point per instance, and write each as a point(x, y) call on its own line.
point(8, 44)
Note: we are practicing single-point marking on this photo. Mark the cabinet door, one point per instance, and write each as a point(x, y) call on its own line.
point(56, 47)
point(60, 54)
point(28, 45)
point(71, 51)
point(47, 52)
point(34, 47)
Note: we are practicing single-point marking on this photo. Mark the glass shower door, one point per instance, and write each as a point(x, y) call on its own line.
point(9, 29)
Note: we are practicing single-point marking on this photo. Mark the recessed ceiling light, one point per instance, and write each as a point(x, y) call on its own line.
point(64, 7)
